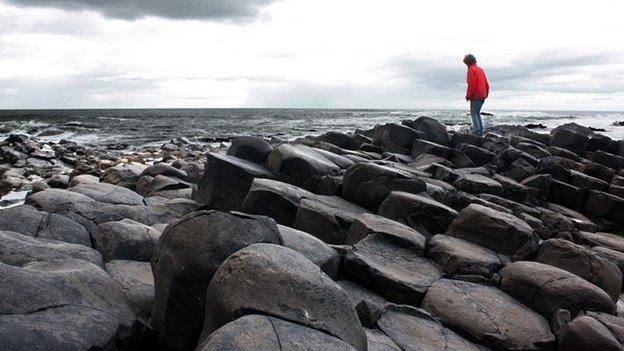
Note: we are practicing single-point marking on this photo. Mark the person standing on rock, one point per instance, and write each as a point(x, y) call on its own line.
point(478, 90)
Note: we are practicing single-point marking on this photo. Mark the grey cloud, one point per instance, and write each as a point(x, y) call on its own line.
point(535, 73)
point(220, 10)
point(81, 90)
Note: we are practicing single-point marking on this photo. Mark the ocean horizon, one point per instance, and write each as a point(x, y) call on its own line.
point(136, 127)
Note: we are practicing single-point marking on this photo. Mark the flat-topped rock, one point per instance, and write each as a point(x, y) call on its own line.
point(275, 199)
point(327, 217)
point(300, 165)
point(488, 316)
point(461, 257)
point(368, 184)
point(425, 215)
point(495, 230)
point(477, 184)
point(367, 224)
point(250, 148)
point(227, 180)
point(397, 273)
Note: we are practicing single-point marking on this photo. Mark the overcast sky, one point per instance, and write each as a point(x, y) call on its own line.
point(538, 54)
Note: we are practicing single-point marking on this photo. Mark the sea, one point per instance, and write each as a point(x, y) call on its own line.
point(152, 127)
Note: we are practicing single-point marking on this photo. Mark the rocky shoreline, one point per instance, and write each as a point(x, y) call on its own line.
point(402, 237)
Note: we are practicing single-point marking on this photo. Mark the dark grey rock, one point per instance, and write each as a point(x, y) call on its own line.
point(18, 249)
point(312, 248)
point(583, 262)
point(125, 240)
point(186, 257)
point(227, 180)
point(249, 148)
point(368, 184)
point(461, 257)
point(547, 289)
point(392, 270)
point(137, 282)
point(488, 315)
point(275, 199)
point(300, 165)
point(266, 333)
point(425, 215)
point(277, 281)
point(414, 329)
point(495, 230)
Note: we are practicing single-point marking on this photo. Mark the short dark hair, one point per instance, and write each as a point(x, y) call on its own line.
point(470, 59)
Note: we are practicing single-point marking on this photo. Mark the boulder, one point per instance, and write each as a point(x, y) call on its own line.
point(250, 148)
point(282, 199)
point(125, 240)
point(329, 185)
point(547, 289)
point(367, 224)
point(476, 184)
point(420, 146)
point(378, 341)
point(327, 217)
point(512, 189)
point(583, 262)
point(18, 249)
point(108, 193)
point(62, 305)
point(137, 282)
point(611, 241)
point(341, 140)
point(425, 215)
point(585, 333)
point(565, 194)
point(163, 169)
point(608, 159)
point(123, 174)
point(391, 269)
point(415, 329)
point(186, 257)
point(280, 282)
point(395, 137)
point(571, 136)
point(461, 257)
point(533, 149)
point(477, 155)
point(488, 316)
point(264, 333)
point(312, 248)
point(27, 220)
point(367, 304)
point(368, 184)
point(517, 130)
point(434, 129)
point(341, 161)
point(227, 180)
point(502, 232)
point(613, 256)
point(598, 171)
point(540, 182)
point(605, 205)
point(300, 165)
point(584, 181)
point(519, 170)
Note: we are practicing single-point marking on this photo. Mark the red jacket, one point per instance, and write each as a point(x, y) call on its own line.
point(478, 86)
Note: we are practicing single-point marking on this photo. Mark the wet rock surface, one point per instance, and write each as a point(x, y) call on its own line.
point(407, 236)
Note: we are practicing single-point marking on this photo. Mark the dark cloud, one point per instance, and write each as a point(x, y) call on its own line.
point(220, 10)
